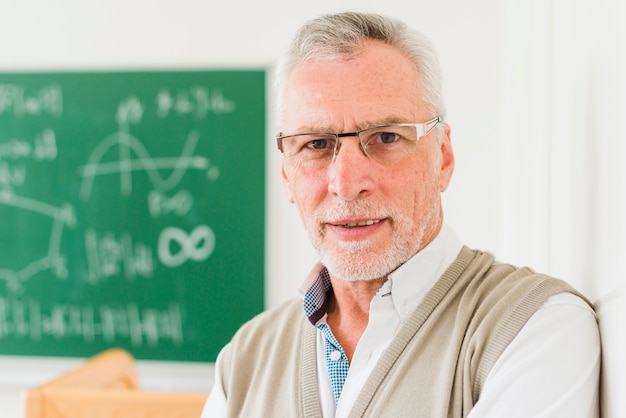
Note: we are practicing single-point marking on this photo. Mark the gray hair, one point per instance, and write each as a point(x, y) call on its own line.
point(340, 35)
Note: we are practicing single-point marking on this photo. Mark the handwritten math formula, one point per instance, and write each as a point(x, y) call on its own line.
point(119, 202)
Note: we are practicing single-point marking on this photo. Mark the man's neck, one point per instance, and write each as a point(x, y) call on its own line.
point(348, 311)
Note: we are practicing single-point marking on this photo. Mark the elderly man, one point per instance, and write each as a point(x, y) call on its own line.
point(399, 318)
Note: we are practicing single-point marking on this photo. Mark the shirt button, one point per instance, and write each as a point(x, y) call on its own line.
point(335, 355)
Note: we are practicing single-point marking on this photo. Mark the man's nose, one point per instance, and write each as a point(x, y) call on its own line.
point(340, 138)
point(350, 176)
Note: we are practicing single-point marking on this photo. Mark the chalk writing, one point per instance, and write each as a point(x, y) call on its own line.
point(61, 217)
point(44, 147)
point(14, 100)
point(144, 162)
point(196, 101)
point(159, 204)
point(26, 318)
point(11, 175)
point(14, 151)
point(109, 256)
point(176, 247)
point(129, 111)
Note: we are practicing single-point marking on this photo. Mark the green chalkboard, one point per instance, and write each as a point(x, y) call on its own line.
point(131, 211)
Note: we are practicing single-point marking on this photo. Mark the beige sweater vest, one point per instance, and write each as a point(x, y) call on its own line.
point(435, 366)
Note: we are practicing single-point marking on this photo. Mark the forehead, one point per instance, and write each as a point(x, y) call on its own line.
point(379, 84)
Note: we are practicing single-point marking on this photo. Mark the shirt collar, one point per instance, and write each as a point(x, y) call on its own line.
point(316, 292)
point(411, 281)
point(408, 284)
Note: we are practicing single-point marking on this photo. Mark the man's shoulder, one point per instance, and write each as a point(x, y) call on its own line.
point(272, 324)
point(519, 280)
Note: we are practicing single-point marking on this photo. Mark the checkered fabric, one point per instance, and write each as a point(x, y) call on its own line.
point(316, 297)
point(315, 307)
point(336, 362)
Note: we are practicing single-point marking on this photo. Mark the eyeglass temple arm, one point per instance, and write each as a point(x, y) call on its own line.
point(428, 126)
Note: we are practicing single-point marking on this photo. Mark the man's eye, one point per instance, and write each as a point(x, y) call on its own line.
point(319, 144)
point(387, 137)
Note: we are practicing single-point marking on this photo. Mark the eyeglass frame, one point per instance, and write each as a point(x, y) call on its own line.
point(423, 128)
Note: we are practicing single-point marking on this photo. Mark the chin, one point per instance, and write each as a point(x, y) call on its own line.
point(357, 266)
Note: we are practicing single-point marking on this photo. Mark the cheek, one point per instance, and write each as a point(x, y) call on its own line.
point(291, 179)
point(307, 192)
point(423, 193)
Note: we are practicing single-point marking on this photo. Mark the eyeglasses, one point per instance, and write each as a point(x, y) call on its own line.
point(386, 143)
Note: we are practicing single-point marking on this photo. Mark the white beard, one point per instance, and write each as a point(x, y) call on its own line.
point(354, 260)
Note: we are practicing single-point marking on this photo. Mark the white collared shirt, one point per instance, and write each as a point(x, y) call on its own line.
point(550, 369)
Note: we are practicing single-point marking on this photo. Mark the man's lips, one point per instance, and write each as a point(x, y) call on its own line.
point(350, 229)
point(358, 224)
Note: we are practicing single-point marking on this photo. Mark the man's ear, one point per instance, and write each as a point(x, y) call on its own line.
point(447, 159)
point(286, 183)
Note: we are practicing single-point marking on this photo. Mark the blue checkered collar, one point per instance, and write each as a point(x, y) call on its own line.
point(316, 292)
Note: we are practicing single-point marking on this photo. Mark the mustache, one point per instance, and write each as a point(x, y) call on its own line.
point(352, 209)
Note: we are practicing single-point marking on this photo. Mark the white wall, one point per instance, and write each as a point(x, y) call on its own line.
point(537, 115)
point(564, 183)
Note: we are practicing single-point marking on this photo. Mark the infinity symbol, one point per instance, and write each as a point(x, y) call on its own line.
point(197, 246)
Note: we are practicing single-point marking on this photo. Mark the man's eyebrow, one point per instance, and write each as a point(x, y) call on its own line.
point(389, 120)
point(326, 129)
